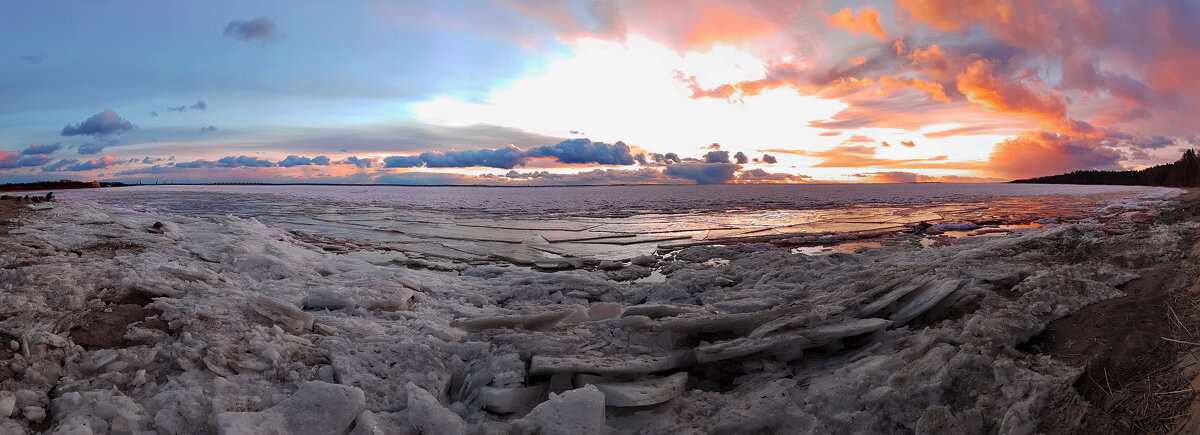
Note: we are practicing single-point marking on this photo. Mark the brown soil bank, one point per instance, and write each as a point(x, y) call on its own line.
point(1134, 350)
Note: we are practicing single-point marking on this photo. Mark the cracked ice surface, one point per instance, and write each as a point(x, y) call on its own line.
point(265, 334)
point(558, 228)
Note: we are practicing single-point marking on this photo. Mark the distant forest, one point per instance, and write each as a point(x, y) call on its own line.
point(61, 184)
point(1185, 172)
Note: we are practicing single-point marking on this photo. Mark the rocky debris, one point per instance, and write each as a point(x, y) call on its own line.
point(317, 408)
point(645, 392)
point(576, 412)
point(266, 334)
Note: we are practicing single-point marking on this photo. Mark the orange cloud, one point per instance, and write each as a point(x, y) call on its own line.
point(856, 61)
point(980, 85)
point(913, 177)
point(1046, 153)
point(859, 157)
point(935, 90)
point(867, 21)
point(722, 25)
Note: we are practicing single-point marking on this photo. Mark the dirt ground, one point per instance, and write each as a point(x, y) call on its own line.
point(1134, 351)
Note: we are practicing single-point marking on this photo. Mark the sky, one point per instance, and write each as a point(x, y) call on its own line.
point(549, 92)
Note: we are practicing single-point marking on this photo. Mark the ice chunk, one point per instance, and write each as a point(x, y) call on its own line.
point(283, 314)
point(367, 424)
point(637, 393)
point(429, 416)
point(530, 322)
point(922, 301)
point(895, 293)
point(8, 404)
point(610, 365)
point(317, 408)
point(511, 399)
point(788, 344)
point(656, 311)
point(604, 311)
point(575, 412)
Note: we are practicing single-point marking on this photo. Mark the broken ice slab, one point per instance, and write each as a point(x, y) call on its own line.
point(575, 412)
point(643, 392)
point(316, 408)
point(610, 365)
point(282, 313)
point(787, 345)
point(530, 322)
point(528, 225)
point(892, 292)
point(511, 399)
point(917, 303)
point(657, 311)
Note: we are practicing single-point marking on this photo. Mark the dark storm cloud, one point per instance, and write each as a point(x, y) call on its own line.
point(100, 124)
point(261, 28)
point(34, 160)
point(703, 173)
point(401, 162)
point(1155, 142)
point(89, 148)
point(585, 151)
point(46, 148)
point(741, 158)
point(767, 158)
point(716, 157)
point(291, 161)
point(227, 162)
point(572, 151)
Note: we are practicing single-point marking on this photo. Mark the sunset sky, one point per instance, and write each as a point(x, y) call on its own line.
point(593, 92)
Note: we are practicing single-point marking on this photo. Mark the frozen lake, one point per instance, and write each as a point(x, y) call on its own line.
point(541, 225)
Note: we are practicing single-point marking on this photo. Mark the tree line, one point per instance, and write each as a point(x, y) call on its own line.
point(1184, 172)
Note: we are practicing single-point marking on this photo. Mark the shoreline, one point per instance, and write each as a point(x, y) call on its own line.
point(230, 325)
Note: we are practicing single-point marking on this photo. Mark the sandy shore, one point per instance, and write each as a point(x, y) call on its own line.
point(178, 324)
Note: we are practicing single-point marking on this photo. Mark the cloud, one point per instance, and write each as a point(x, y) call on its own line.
point(227, 162)
point(716, 157)
point(767, 158)
point(32, 58)
point(402, 162)
point(504, 158)
point(48, 148)
point(829, 133)
point(100, 124)
point(761, 176)
point(293, 160)
point(858, 139)
point(260, 28)
point(571, 151)
point(73, 165)
point(1155, 142)
point(908, 143)
point(740, 158)
point(1048, 153)
point(9, 159)
point(913, 177)
point(199, 105)
point(863, 157)
point(867, 21)
point(179, 109)
point(207, 129)
point(703, 173)
point(34, 160)
point(88, 148)
point(153, 113)
point(361, 162)
point(576, 151)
